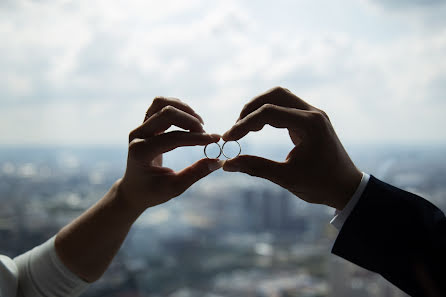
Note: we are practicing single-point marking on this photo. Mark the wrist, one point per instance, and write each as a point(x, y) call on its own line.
point(346, 188)
point(87, 245)
point(123, 202)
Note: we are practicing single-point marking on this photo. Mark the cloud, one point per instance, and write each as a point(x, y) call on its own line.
point(406, 4)
point(424, 15)
point(85, 72)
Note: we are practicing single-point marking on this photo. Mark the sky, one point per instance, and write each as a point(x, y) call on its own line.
point(84, 72)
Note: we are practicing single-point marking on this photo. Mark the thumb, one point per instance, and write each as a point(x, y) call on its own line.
point(255, 166)
point(190, 175)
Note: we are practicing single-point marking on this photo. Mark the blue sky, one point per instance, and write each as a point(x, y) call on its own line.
point(84, 72)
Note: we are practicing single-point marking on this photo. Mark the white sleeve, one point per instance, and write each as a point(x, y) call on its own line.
point(8, 277)
point(42, 274)
point(341, 216)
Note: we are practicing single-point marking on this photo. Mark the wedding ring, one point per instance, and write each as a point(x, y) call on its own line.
point(205, 150)
point(222, 150)
point(239, 149)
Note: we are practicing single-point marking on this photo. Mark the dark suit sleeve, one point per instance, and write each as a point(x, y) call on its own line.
point(398, 235)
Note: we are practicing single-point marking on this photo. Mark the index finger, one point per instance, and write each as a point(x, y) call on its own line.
point(278, 96)
point(276, 116)
point(163, 143)
point(163, 120)
point(160, 102)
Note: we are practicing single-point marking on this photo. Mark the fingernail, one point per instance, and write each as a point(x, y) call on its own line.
point(231, 167)
point(215, 165)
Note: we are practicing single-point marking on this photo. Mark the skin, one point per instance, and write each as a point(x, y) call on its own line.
point(317, 170)
point(88, 244)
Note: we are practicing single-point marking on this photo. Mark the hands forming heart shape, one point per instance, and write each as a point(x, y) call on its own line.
point(317, 170)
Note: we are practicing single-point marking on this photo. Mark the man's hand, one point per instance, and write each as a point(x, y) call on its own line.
point(146, 183)
point(317, 170)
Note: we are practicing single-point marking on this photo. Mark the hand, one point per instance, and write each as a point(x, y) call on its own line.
point(146, 183)
point(317, 170)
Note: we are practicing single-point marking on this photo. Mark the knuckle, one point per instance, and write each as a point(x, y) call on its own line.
point(133, 134)
point(167, 110)
point(135, 147)
point(140, 149)
point(246, 108)
point(267, 108)
point(324, 114)
point(132, 145)
point(279, 90)
point(317, 117)
point(158, 100)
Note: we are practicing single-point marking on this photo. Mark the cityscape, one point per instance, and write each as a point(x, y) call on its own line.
point(77, 76)
point(229, 235)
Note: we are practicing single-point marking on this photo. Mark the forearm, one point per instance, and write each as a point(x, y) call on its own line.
point(398, 235)
point(88, 244)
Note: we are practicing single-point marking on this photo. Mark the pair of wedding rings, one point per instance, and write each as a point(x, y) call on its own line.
point(222, 150)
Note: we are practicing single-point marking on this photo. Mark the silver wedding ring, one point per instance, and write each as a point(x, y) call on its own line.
point(219, 154)
point(222, 150)
point(239, 149)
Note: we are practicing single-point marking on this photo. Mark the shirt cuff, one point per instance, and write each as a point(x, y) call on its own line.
point(42, 273)
point(341, 216)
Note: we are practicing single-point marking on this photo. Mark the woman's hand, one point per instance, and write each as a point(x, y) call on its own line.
point(317, 170)
point(146, 183)
point(88, 244)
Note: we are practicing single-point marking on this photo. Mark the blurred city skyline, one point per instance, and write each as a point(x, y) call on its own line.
point(228, 235)
point(83, 72)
